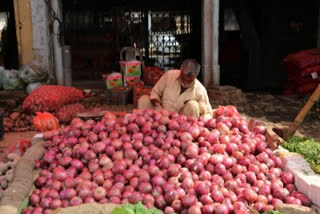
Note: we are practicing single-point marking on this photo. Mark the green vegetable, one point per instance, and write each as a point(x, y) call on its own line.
point(308, 148)
point(138, 208)
point(272, 212)
point(23, 205)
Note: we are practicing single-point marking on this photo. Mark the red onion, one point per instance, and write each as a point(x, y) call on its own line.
point(287, 177)
point(250, 195)
point(221, 209)
point(217, 196)
point(189, 200)
point(34, 199)
point(203, 188)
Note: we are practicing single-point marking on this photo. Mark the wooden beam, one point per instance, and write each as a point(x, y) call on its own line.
point(22, 11)
point(304, 111)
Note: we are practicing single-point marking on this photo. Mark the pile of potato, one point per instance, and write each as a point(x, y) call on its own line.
point(18, 122)
point(7, 171)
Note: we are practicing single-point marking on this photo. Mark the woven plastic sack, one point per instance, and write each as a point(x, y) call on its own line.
point(304, 59)
point(68, 112)
point(88, 208)
point(11, 80)
point(31, 74)
point(32, 86)
point(45, 122)
point(51, 97)
point(310, 70)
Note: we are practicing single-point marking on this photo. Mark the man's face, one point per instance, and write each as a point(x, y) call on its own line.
point(186, 81)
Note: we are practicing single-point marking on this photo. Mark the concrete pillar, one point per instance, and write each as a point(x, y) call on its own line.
point(210, 43)
point(41, 37)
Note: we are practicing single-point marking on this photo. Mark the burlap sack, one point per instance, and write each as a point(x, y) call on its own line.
point(22, 182)
point(90, 208)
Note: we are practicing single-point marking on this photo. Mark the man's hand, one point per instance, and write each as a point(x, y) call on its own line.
point(156, 104)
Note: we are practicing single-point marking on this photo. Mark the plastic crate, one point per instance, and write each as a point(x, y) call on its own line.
point(1, 125)
point(118, 96)
point(151, 74)
point(138, 92)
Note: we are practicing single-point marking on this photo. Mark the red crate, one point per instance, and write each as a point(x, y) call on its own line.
point(151, 74)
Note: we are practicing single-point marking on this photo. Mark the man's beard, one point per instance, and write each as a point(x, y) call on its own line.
point(185, 86)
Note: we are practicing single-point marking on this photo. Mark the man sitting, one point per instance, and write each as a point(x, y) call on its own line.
point(179, 91)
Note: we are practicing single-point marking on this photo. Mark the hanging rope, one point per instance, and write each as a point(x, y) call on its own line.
point(54, 18)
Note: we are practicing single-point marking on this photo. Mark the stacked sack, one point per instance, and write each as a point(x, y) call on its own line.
point(151, 74)
point(303, 71)
point(60, 100)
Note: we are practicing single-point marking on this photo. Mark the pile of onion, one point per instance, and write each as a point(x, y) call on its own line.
point(173, 162)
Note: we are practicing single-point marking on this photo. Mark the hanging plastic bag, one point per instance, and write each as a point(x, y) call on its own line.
point(11, 80)
point(31, 74)
point(33, 86)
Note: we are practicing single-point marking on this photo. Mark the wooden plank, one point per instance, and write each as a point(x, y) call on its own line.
point(304, 111)
point(22, 10)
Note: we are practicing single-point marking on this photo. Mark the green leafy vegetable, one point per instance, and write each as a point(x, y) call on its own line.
point(272, 212)
point(138, 208)
point(308, 148)
point(23, 205)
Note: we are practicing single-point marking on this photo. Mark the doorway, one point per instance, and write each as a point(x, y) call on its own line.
point(8, 39)
point(165, 32)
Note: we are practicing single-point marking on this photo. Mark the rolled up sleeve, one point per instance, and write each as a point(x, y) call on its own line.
point(205, 106)
point(157, 90)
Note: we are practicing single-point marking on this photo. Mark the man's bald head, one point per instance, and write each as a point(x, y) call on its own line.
point(190, 67)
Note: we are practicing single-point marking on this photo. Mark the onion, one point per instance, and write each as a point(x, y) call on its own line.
point(145, 188)
point(194, 210)
point(34, 199)
point(133, 128)
point(67, 194)
point(250, 195)
point(203, 188)
point(160, 202)
point(287, 177)
point(189, 200)
point(168, 210)
point(221, 209)
point(45, 203)
point(217, 196)
point(59, 174)
point(220, 169)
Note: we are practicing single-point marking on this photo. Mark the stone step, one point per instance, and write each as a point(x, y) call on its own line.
point(226, 95)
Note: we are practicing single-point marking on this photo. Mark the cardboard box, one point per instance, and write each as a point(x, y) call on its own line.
point(130, 68)
point(130, 80)
point(113, 80)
